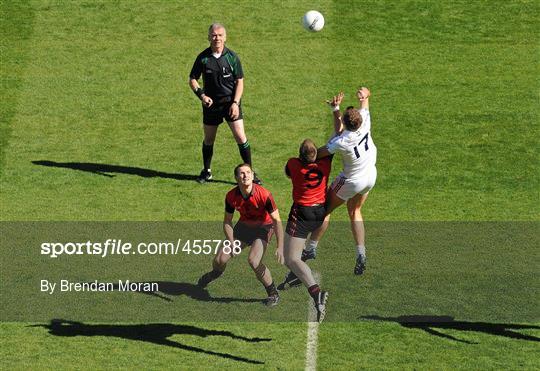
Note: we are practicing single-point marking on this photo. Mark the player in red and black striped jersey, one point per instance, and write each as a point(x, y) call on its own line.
point(259, 219)
point(309, 177)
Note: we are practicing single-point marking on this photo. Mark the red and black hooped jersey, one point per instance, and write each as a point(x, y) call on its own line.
point(309, 180)
point(255, 209)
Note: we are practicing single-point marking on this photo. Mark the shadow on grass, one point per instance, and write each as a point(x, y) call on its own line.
point(190, 290)
point(105, 170)
point(430, 323)
point(155, 333)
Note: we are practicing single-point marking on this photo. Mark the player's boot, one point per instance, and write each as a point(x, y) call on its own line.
point(309, 254)
point(290, 281)
point(320, 305)
point(272, 300)
point(256, 179)
point(204, 176)
point(360, 266)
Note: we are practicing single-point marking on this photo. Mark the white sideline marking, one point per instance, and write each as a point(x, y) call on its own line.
point(312, 332)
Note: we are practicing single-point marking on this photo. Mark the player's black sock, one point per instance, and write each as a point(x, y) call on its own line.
point(209, 277)
point(245, 152)
point(207, 153)
point(215, 273)
point(271, 289)
point(314, 291)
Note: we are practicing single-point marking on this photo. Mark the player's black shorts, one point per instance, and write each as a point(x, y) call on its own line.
point(247, 233)
point(304, 219)
point(218, 111)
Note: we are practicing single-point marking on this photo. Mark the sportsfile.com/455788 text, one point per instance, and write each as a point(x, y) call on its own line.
point(120, 247)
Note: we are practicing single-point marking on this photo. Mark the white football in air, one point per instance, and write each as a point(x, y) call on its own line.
point(313, 21)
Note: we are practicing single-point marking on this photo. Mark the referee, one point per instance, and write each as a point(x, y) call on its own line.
point(223, 79)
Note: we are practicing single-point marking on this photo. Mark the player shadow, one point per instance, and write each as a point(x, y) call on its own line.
point(155, 333)
point(167, 288)
point(106, 170)
point(432, 325)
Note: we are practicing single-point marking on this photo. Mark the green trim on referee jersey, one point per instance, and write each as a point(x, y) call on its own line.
point(233, 61)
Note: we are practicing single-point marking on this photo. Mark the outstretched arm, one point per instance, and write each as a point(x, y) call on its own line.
point(363, 97)
point(323, 152)
point(336, 114)
point(338, 123)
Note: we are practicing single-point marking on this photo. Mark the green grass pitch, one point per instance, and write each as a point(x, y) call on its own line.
point(98, 125)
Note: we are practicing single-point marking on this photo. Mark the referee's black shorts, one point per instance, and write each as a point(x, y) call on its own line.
point(247, 234)
point(219, 110)
point(304, 219)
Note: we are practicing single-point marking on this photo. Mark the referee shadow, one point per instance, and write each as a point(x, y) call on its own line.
point(433, 324)
point(168, 288)
point(155, 333)
point(107, 170)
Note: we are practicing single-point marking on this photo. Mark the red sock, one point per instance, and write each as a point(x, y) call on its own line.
point(314, 291)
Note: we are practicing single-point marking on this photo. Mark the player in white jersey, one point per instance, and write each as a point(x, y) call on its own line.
point(354, 142)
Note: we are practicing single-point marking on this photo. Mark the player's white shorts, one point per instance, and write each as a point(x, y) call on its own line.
point(346, 188)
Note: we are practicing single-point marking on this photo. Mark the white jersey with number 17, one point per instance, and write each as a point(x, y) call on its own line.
point(357, 149)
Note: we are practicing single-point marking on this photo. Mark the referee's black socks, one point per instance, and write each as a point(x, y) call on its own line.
point(207, 153)
point(245, 152)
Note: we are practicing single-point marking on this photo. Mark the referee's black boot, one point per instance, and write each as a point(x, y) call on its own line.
point(204, 176)
point(256, 179)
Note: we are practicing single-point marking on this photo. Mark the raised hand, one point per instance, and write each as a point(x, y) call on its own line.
point(363, 93)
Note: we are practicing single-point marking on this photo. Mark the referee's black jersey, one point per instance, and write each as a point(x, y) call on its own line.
point(219, 75)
